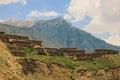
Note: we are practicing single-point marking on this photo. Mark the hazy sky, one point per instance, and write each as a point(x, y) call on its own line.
point(99, 17)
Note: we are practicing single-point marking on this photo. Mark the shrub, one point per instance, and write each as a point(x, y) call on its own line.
point(28, 50)
point(68, 62)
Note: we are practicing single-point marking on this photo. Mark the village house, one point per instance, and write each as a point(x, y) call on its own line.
point(54, 52)
point(36, 44)
point(4, 39)
point(52, 49)
point(23, 43)
point(83, 56)
point(105, 51)
point(68, 48)
point(16, 38)
point(2, 34)
point(14, 48)
point(41, 51)
point(72, 51)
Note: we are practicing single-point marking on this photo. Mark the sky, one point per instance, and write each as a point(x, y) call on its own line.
point(101, 18)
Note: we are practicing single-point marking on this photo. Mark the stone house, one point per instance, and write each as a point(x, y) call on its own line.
point(84, 56)
point(4, 39)
point(105, 51)
point(72, 52)
point(23, 43)
point(68, 48)
point(17, 38)
point(2, 34)
point(14, 48)
point(36, 44)
point(54, 52)
point(40, 51)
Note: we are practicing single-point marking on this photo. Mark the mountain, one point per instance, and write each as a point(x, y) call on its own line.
point(19, 23)
point(33, 34)
point(64, 33)
point(58, 33)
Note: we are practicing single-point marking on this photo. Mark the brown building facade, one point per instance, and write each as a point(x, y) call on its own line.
point(105, 51)
point(2, 34)
point(36, 44)
point(17, 38)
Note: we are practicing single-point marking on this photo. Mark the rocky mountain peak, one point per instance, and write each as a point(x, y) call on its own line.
point(20, 23)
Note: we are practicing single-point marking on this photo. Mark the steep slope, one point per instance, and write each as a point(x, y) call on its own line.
point(9, 67)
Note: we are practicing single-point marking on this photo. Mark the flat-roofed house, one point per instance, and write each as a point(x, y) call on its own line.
point(36, 44)
point(84, 56)
point(23, 38)
point(54, 52)
point(68, 48)
point(105, 51)
point(4, 39)
point(22, 43)
point(14, 48)
point(52, 49)
point(40, 51)
point(16, 38)
point(72, 51)
point(2, 34)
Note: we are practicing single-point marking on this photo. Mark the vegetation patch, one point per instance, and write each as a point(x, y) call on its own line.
point(92, 64)
point(69, 63)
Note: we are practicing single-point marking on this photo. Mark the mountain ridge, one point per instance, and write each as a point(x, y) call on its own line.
point(59, 33)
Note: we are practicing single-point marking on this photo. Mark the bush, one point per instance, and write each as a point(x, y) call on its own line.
point(68, 62)
point(28, 50)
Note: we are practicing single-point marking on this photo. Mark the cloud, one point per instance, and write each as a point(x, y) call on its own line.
point(113, 39)
point(105, 16)
point(6, 2)
point(35, 13)
point(1, 21)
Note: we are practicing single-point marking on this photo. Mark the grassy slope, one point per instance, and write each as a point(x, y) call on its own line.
point(110, 62)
